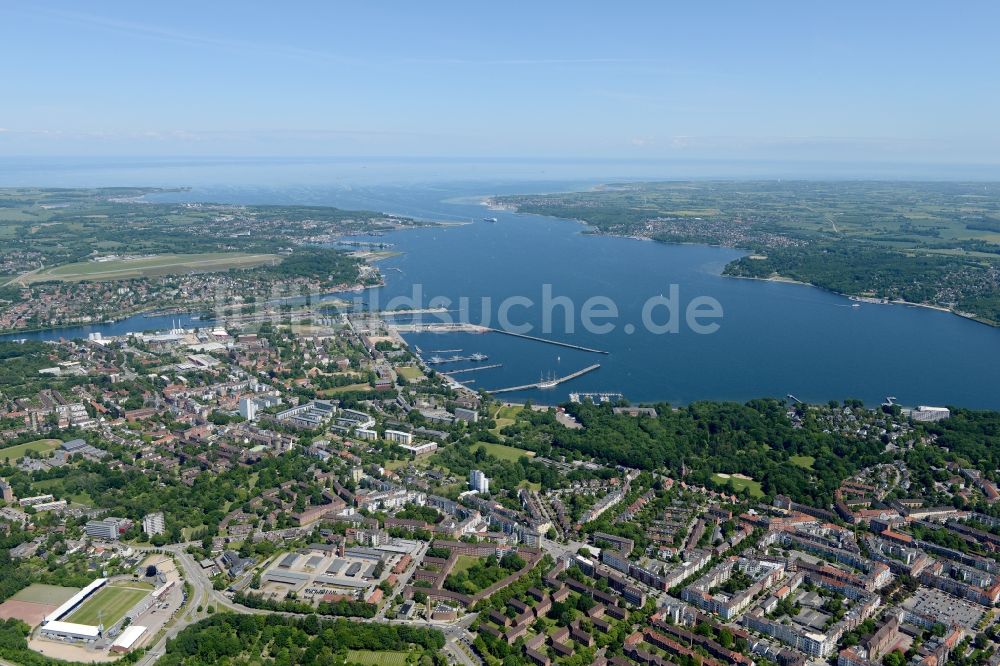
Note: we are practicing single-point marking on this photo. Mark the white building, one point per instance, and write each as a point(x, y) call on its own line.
point(152, 524)
point(37, 499)
point(420, 449)
point(248, 408)
point(128, 638)
point(399, 437)
point(108, 528)
point(925, 413)
point(479, 482)
point(54, 627)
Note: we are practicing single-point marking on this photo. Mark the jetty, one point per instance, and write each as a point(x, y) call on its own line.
point(547, 383)
point(558, 343)
point(475, 369)
point(461, 327)
point(411, 311)
point(437, 360)
point(596, 397)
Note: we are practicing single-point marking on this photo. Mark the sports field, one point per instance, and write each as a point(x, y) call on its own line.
point(163, 264)
point(39, 446)
point(409, 372)
point(108, 605)
point(372, 658)
point(46, 594)
point(34, 602)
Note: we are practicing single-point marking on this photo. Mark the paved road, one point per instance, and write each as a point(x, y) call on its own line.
point(202, 595)
point(457, 635)
point(405, 578)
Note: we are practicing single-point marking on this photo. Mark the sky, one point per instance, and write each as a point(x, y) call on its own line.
point(813, 81)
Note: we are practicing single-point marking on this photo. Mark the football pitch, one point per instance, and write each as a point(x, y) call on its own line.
point(107, 605)
point(377, 658)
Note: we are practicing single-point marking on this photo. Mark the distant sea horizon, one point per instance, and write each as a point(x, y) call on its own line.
point(775, 339)
point(270, 171)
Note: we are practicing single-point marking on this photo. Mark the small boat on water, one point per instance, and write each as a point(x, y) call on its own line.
point(490, 219)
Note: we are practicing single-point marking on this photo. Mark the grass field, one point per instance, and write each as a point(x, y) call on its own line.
point(39, 445)
point(108, 605)
point(503, 452)
point(37, 593)
point(163, 264)
point(805, 462)
point(463, 564)
point(509, 411)
point(372, 658)
point(738, 484)
point(364, 386)
point(505, 416)
point(56, 487)
point(421, 462)
point(409, 372)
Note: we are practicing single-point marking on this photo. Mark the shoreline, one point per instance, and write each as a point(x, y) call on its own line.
point(778, 279)
point(157, 311)
point(786, 280)
point(866, 299)
point(168, 310)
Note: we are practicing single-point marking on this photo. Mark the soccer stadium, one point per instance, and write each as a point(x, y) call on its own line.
point(94, 609)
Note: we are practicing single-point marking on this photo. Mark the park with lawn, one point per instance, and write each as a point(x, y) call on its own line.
point(470, 574)
point(502, 451)
point(739, 482)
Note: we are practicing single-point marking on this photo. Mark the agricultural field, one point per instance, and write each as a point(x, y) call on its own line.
point(503, 452)
point(739, 482)
point(109, 604)
point(12, 453)
point(164, 264)
point(373, 658)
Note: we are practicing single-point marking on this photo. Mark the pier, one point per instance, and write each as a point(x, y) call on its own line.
point(441, 327)
point(475, 369)
point(558, 343)
point(476, 328)
point(548, 383)
point(437, 360)
point(596, 397)
point(412, 311)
